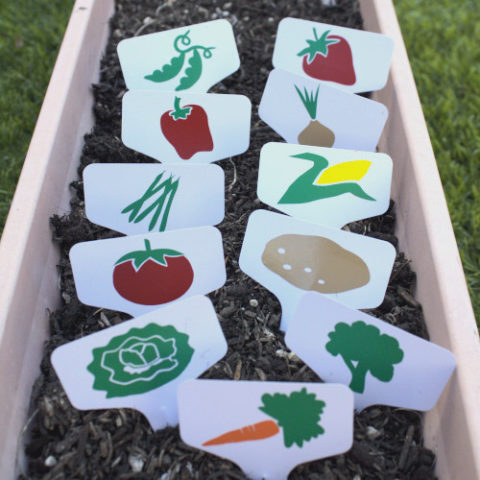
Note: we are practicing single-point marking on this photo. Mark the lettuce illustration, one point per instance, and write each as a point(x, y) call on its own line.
point(140, 360)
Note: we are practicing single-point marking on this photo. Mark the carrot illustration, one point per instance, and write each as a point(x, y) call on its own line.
point(256, 431)
point(297, 414)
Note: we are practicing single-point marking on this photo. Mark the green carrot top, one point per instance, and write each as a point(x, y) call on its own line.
point(298, 414)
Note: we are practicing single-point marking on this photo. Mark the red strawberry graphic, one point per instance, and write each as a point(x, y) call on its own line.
point(187, 130)
point(329, 58)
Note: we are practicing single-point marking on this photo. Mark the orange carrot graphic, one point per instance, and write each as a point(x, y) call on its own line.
point(256, 431)
point(297, 414)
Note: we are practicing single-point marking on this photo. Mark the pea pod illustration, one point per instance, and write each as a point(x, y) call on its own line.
point(172, 69)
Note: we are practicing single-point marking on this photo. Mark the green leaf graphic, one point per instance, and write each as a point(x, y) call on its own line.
point(297, 414)
point(140, 360)
point(168, 71)
point(192, 73)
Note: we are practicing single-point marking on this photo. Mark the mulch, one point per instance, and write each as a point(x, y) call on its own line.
point(65, 443)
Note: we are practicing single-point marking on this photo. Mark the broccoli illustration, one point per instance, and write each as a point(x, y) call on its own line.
point(372, 351)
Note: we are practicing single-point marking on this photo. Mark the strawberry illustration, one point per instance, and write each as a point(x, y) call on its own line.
point(329, 58)
point(187, 129)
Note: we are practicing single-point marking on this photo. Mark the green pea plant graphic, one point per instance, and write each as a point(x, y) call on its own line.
point(194, 70)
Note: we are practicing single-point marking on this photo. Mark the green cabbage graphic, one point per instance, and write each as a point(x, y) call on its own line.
point(140, 360)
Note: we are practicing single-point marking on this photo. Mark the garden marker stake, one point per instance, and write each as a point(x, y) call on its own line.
point(187, 128)
point(267, 428)
point(140, 198)
point(354, 60)
point(141, 362)
point(314, 113)
point(327, 186)
point(380, 363)
point(191, 58)
point(140, 273)
point(291, 257)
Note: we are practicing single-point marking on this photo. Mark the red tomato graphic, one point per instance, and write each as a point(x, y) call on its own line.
point(187, 130)
point(329, 58)
point(152, 277)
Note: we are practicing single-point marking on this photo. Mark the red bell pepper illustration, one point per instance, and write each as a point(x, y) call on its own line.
point(152, 277)
point(329, 58)
point(187, 129)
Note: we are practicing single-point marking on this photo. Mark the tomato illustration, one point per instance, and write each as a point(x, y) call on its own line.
point(152, 277)
point(187, 129)
point(329, 58)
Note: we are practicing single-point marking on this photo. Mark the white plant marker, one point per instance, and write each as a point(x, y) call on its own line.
point(176, 127)
point(190, 58)
point(353, 60)
point(295, 422)
point(291, 257)
point(381, 363)
point(141, 362)
point(328, 186)
point(140, 273)
point(314, 113)
point(135, 198)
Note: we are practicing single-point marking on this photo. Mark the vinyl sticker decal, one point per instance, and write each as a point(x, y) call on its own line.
point(187, 130)
point(140, 360)
point(137, 275)
point(195, 54)
point(314, 133)
point(163, 194)
point(328, 57)
point(321, 181)
point(315, 263)
point(296, 415)
point(365, 350)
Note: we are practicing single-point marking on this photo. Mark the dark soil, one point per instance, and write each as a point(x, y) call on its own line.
point(65, 443)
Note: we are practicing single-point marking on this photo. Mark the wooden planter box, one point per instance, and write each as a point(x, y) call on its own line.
point(28, 258)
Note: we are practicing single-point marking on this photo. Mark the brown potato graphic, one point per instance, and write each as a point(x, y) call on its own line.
point(315, 263)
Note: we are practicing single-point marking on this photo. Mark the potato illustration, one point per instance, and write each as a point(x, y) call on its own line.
point(315, 263)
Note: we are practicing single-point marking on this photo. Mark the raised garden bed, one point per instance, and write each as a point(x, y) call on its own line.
point(29, 259)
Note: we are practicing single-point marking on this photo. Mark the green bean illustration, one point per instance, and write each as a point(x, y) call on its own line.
point(194, 69)
point(160, 206)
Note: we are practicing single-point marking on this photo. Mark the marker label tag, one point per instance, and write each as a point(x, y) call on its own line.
point(191, 58)
point(382, 364)
point(141, 362)
point(328, 186)
point(140, 273)
point(176, 127)
point(314, 113)
point(353, 60)
point(139, 198)
point(291, 257)
point(294, 422)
